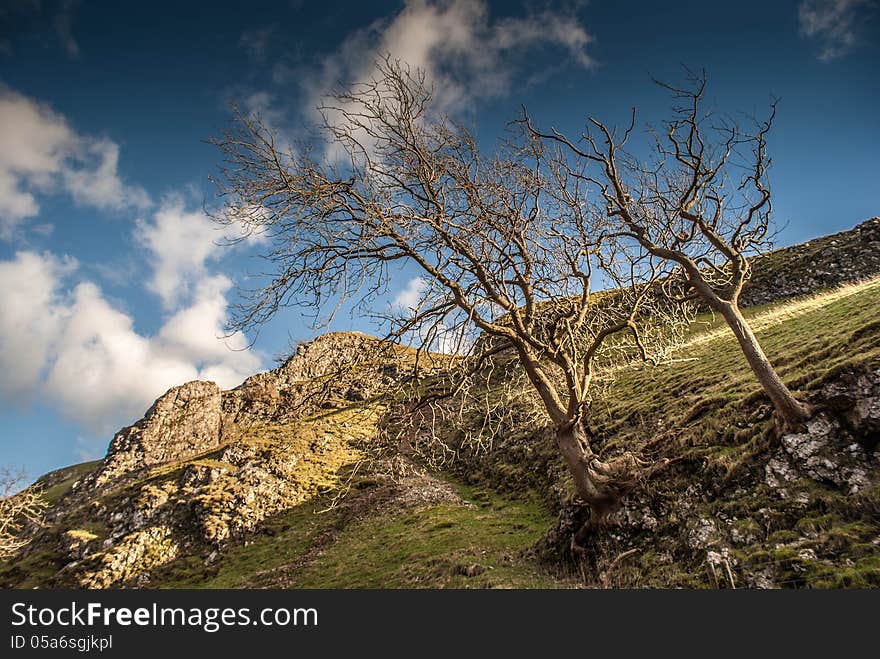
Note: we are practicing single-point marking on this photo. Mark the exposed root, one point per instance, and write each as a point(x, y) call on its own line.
point(618, 477)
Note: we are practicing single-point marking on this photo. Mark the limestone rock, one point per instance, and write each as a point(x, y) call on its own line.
point(816, 265)
point(137, 553)
point(701, 533)
point(182, 423)
point(779, 470)
point(825, 452)
point(334, 370)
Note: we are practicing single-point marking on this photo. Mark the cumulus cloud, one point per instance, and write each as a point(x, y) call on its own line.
point(834, 24)
point(191, 333)
point(65, 341)
point(465, 54)
point(180, 243)
point(42, 154)
point(32, 315)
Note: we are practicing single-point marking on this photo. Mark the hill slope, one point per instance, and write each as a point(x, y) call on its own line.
point(282, 483)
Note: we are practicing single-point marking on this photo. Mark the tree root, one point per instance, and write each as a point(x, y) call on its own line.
point(625, 471)
point(618, 477)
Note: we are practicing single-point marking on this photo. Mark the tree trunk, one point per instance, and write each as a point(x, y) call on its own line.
point(574, 444)
point(790, 411)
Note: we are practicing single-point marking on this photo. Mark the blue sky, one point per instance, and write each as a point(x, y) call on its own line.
point(112, 287)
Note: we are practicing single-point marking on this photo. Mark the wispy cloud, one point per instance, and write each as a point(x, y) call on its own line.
point(465, 53)
point(24, 17)
point(255, 42)
point(835, 24)
point(62, 21)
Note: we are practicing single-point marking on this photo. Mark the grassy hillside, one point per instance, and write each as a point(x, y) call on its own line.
point(713, 518)
point(705, 412)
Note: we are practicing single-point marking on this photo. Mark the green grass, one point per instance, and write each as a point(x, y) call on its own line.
point(701, 396)
point(483, 544)
point(704, 411)
point(64, 479)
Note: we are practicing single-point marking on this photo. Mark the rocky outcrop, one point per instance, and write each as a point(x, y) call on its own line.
point(855, 400)
point(816, 265)
point(828, 454)
point(121, 539)
point(336, 369)
point(836, 446)
point(132, 557)
point(183, 422)
point(328, 354)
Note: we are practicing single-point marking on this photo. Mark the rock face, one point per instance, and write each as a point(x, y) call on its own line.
point(183, 422)
point(856, 400)
point(826, 453)
point(194, 418)
point(244, 455)
point(815, 265)
point(336, 368)
point(145, 524)
point(328, 354)
point(837, 445)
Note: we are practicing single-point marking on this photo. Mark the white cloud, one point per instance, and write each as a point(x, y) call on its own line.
point(42, 154)
point(835, 24)
point(195, 332)
point(465, 54)
point(97, 184)
point(66, 342)
point(31, 318)
point(180, 243)
point(102, 367)
point(408, 299)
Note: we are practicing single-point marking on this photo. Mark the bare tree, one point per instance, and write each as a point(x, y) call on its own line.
point(19, 510)
point(503, 244)
point(700, 201)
